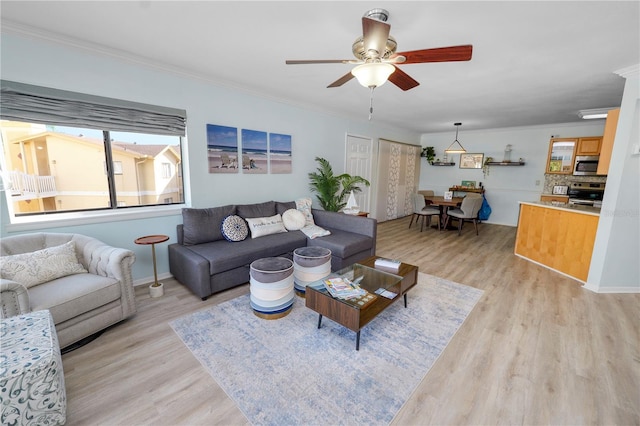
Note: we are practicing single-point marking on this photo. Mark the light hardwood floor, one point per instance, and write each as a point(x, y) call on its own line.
point(537, 349)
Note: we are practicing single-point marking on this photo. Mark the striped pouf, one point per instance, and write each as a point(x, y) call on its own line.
point(271, 287)
point(310, 264)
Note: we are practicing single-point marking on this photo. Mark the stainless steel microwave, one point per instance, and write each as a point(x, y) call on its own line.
point(586, 165)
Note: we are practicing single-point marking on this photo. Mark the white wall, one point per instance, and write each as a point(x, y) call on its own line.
point(36, 61)
point(504, 186)
point(615, 264)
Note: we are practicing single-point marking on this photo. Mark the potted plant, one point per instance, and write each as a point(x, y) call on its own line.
point(429, 153)
point(331, 190)
point(486, 166)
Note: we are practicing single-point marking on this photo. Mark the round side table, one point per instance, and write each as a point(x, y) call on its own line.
point(155, 289)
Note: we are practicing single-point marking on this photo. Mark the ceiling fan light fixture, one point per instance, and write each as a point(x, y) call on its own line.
point(456, 147)
point(373, 74)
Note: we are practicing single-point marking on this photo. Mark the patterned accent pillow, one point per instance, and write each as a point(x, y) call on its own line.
point(304, 205)
point(314, 231)
point(261, 226)
point(37, 267)
point(293, 220)
point(234, 228)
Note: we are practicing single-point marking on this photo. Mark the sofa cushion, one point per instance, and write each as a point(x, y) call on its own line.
point(342, 243)
point(74, 295)
point(293, 220)
point(261, 226)
point(203, 225)
point(41, 266)
point(265, 209)
point(234, 228)
point(223, 255)
point(282, 207)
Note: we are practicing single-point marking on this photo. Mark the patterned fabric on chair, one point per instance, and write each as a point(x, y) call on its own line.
point(469, 209)
point(420, 211)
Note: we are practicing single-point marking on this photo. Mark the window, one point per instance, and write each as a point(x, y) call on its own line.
point(53, 165)
point(117, 167)
point(166, 170)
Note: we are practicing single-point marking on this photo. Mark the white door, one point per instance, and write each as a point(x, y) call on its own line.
point(358, 162)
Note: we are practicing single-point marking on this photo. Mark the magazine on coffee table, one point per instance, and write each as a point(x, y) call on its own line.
point(343, 288)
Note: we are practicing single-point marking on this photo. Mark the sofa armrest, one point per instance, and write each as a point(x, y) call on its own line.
point(349, 223)
point(107, 261)
point(14, 299)
point(190, 269)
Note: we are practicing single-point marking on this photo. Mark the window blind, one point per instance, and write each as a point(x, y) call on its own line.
point(25, 102)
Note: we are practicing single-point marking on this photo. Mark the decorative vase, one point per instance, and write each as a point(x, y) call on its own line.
point(156, 291)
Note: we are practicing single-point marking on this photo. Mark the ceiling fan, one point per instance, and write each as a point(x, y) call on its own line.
point(377, 59)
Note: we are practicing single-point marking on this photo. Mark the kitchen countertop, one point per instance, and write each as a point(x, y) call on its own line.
point(564, 206)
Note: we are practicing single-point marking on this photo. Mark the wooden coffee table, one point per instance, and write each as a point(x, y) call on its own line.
point(350, 313)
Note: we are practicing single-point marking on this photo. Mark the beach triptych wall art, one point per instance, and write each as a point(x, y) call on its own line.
point(254, 152)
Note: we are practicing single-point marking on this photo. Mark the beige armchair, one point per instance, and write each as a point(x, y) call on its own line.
point(81, 304)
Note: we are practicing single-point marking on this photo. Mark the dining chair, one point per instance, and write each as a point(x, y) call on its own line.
point(420, 211)
point(468, 211)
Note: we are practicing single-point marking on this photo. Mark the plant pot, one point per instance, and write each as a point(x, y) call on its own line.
point(156, 291)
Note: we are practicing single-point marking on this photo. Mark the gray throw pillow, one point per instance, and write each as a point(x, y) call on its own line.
point(203, 225)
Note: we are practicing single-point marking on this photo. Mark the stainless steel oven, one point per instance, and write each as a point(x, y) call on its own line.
point(586, 165)
point(586, 193)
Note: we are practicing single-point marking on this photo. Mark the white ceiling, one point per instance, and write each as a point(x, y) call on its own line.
point(533, 62)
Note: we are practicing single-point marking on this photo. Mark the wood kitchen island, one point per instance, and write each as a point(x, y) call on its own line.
point(558, 236)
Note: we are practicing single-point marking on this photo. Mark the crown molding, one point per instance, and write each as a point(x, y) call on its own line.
point(629, 71)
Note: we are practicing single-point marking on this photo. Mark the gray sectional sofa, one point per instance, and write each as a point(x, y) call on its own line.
point(205, 262)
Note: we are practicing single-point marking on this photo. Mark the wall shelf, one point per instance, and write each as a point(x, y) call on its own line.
point(442, 164)
point(508, 163)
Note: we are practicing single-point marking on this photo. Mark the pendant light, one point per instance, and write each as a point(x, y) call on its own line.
point(456, 147)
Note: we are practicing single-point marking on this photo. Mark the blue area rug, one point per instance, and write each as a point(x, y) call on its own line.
point(287, 371)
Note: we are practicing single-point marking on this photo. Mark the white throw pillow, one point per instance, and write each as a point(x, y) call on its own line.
point(304, 205)
point(37, 267)
point(261, 226)
point(293, 220)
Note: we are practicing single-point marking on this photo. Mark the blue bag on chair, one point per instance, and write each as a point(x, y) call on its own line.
point(485, 210)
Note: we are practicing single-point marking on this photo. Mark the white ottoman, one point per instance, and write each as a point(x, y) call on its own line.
point(310, 264)
point(32, 388)
point(271, 287)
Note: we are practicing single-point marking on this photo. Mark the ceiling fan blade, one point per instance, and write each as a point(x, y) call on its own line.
point(321, 61)
point(440, 54)
point(402, 80)
point(375, 35)
point(342, 80)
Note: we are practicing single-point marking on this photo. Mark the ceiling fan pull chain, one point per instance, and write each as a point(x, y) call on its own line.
point(371, 103)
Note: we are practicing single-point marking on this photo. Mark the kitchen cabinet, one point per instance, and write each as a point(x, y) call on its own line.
point(589, 146)
point(610, 127)
point(561, 155)
point(559, 238)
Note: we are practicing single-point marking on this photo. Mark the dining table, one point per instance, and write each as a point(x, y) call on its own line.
point(444, 204)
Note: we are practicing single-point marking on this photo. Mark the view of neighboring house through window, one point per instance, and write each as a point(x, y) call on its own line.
point(49, 168)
